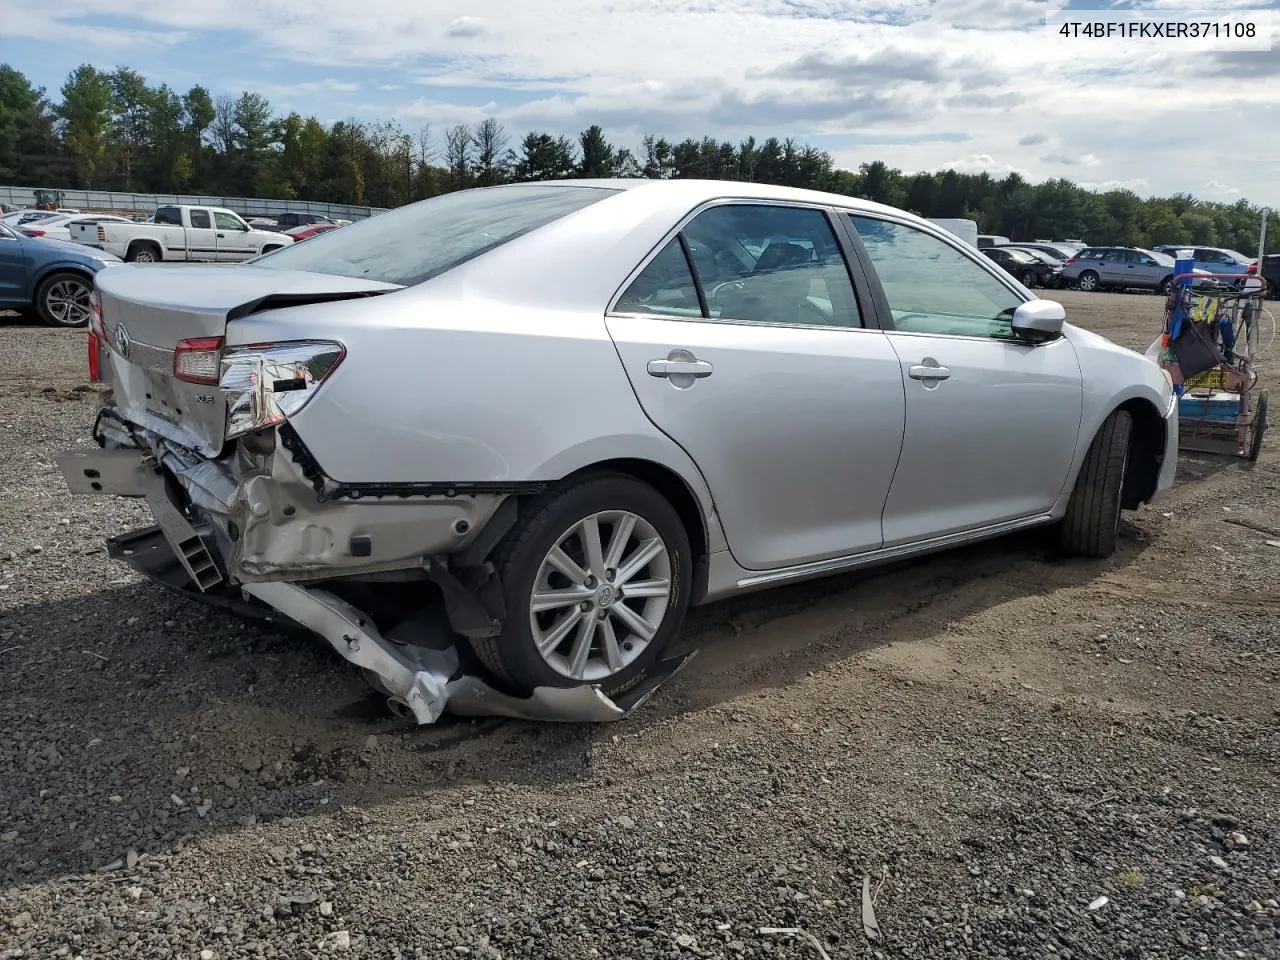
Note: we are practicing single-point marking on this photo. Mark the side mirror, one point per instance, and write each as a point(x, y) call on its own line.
point(1039, 320)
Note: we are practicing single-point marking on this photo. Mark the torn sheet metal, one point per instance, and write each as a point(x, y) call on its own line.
point(421, 665)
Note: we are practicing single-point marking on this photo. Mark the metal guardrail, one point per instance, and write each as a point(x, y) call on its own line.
point(245, 206)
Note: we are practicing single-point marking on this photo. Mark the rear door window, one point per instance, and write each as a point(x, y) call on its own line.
point(200, 220)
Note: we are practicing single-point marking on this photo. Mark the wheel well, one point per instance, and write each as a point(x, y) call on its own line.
point(272, 246)
point(1146, 453)
point(50, 274)
point(154, 245)
point(668, 483)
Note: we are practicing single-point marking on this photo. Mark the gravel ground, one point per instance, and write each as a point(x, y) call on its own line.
point(993, 740)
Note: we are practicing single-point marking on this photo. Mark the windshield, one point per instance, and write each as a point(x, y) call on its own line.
point(414, 243)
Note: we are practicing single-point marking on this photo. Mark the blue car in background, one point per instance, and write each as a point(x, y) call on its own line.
point(1213, 259)
point(53, 277)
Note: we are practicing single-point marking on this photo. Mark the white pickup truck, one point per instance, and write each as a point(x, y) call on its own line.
point(181, 233)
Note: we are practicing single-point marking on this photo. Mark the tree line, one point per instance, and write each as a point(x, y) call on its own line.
point(111, 130)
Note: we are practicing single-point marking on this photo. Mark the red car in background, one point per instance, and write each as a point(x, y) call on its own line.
point(309, 230)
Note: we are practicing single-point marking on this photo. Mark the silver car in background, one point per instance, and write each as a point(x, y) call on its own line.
point(565, 412)
point(1121, 268)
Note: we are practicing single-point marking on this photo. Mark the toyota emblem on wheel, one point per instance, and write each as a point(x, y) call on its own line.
point(122, 340)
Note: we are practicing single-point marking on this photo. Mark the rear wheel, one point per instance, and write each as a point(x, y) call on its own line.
point(143, 253)
point(1091, 525)
point(1089, 281)
point(596, 579)
point(1259, 427)
point(63, 299)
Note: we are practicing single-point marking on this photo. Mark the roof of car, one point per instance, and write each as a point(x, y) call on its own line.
point(695, 191)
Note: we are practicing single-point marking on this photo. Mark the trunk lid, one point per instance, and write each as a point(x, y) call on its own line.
point(148, 309)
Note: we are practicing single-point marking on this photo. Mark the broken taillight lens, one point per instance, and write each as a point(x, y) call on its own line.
point(265, 383)
point(95, 337)
point(197, 360)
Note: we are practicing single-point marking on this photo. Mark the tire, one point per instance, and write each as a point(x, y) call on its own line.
point(1089, 282)
point(1028, 280)
point(1092, 521)
point(523, 565)
point(1259, 427)
point(1165, 286)
point(143, 253)
point(62, 299)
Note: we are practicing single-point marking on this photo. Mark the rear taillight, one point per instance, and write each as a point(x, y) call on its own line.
point(264, 383)
point(1069, 260)
point(1253, 268)
point(95, 338)
point(32, 232)
point(198, 360)
point(102, 234)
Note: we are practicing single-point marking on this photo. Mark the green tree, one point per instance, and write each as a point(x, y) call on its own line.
point(29, 150)
point(84, 117)
point(598, 154)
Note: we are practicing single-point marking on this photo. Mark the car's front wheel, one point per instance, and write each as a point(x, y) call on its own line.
point(63, 299)
point(1091, 525)
point(596, 578)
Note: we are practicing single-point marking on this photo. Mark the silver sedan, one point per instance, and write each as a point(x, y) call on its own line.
point(561, 413)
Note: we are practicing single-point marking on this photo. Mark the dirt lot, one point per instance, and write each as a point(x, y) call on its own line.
point(998, 739)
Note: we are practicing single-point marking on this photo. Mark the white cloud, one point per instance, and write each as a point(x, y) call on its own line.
point(466, 27)
point(983, 163)
point(1137, 185)
point(1067, 160)
point(283, 90)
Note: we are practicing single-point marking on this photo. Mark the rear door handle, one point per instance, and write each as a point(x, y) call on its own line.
point(928, 371)
point(676, 368)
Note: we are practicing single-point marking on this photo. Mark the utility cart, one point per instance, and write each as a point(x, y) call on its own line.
point(1209, 346)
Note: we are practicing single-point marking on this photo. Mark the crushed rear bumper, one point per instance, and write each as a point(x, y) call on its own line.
point(420, 664)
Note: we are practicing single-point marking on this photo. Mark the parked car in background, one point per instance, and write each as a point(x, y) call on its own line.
point(1120, 268)
point(58, 227)
point(1030, 270)
point(181, 233)
point(1270, 271)
point(19, 218)
point(401, 400)
point(990, 240)
point(287, 221)
point(1213, 259)
point(1060, 252)
point(310, 230)
point(53, 277)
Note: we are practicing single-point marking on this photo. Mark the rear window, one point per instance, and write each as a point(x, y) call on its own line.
point(414, 243)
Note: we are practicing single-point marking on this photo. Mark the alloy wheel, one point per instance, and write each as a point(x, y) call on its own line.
point(67, 301)
point(600, 596)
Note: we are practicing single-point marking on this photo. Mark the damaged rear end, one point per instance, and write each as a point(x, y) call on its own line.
point(197, 422)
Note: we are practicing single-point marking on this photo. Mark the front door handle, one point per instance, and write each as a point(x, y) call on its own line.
point(222, 236)
point(677, 368)
point(929, 370)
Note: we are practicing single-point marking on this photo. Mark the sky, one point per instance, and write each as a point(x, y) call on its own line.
point(920, 84)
